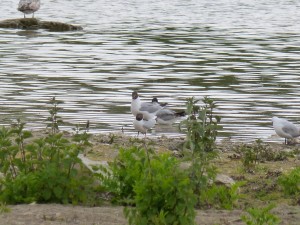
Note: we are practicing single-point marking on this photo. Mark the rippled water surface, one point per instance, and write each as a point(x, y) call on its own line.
point(244, 54)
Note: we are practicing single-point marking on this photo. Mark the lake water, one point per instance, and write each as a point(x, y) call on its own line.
point(244, 54)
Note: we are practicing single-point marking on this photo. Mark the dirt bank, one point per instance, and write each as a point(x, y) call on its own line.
point(105, 148)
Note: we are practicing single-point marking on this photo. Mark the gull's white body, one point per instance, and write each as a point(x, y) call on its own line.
point(143, 125)
point(285, 128)
point(29, 6)
point(148, 109)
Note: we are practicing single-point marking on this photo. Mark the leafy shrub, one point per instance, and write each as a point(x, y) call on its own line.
point(221, 197)
point(163, 194)
point(46, 169)
point(291, 183)
point(260, 216)
point(123, 173)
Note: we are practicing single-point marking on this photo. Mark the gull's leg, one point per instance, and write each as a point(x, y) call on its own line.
point(138, 133)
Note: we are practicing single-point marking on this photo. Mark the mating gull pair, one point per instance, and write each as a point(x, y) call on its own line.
point(285, 128)
point(148, 113)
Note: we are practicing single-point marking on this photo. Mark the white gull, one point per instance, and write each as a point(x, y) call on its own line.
point(148, 109)
point(29, 6)
point(285, 128)
point(142, 125)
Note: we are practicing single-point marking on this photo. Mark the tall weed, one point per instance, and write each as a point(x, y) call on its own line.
point(201, 127)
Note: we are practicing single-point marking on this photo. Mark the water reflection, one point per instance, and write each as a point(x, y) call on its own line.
point(243, 54)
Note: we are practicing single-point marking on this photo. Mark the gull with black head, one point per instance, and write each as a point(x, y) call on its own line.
point(148, 109)
point(167, 116)
point(142, 125)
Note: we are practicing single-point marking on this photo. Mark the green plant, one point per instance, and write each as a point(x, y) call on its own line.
point(4, 208)
point(221, 197)
point(163, 194)
point(260, 216)
point(82, 137)
point(201, 128)
point(250, 156)
point(291, 183)
point(54, 120)
point(201, 125)
point(45, 169)
point(123, 173)
point(254, 154)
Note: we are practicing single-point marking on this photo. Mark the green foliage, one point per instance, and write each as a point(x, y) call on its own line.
point(153, 186)
point(221, 197)
point(201, 128)
point(260, 216)
point(163, 194)
point(45, 169)
point(201, 125)
point(54, 120)
point(4, 208)
point(123, 174)
point(253, 155)
point(291, 183)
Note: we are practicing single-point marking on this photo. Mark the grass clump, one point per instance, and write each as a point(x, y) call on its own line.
point(253, 155)
point(261, 216)
point(290, 183)
point(220, 197)
point(4, 208)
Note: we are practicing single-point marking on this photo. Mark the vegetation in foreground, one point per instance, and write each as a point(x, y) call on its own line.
point(153, 186)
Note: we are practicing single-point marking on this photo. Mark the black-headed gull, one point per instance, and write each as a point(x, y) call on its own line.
point(285, 128)
point(155, 101)
point(29, 6)
point(148, 109)
point(167, 116)
point(142, 125)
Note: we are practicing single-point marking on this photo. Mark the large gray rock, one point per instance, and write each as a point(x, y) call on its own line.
point(221, 179)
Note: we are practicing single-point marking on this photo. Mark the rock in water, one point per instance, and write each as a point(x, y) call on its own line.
point(34, 24)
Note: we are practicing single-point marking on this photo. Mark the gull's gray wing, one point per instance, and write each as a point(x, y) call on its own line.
point(150, 107)
point(165, 114)
point(291, 130)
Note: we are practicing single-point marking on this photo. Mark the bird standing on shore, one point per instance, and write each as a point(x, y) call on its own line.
point(29, 6)
point(142, 125)
point(285, 128)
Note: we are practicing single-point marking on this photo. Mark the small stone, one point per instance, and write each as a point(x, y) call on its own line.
point(224, 179)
